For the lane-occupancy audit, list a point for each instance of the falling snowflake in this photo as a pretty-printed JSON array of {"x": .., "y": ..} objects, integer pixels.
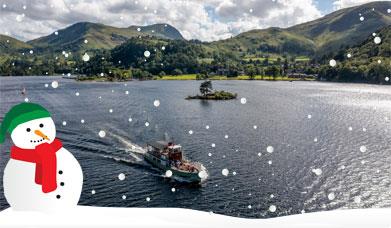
[
  {"x": 377, "y": 40},
  {"x": 270, "y": 149},
  {"x": 31, "y": 52},
  {"x": 210, "y": 154},
  {"x": 148, "y": 199},
  {"x": 309, "y": 116},
  {"x": 315, "y": 139},
  {"x": 173, "y": 189},
  {"x": 357, "y": 199},
  {"x": 225, "y": 172},
  {"x": 272, "y": 208},
  {"x": 362, "y": 18},
  {"x": 255, "y": 126},
  {"x": 126, "y": 92},
  {"x": 156, "y": 103},
  {"x": 121, "y": 176},
  {"x": 111, "y": 110},
  {"x": 190, "y": 132},
  {"x": 387, "y": 79},
  {"x": 349, "y": 55},
  {"x": 163, "y": 48},
  {"x": 26, "y": 99},
  {"x": 350, "y": 129},
  {"x": 54, "y": 84},
  {"x": 93, "y": 192},
  {"x": 146, "y": 124},
  {"x": 226, "y": 136},
  {"x": 207, "y": 126},
  {"x": 64, "y": 123},
  {"x": 331, "y": 196},
  {"x": 123, "y": 197},
  {"x": 147, "y": 54},
  {"x": 243, "y": 100},
  {"x": 168, "y": 173},
  {"x": 270, "y": 162},
  {"x": 317, "y": 172},
  {"x": 213, "y": 145},
  {"x": 56, "y": 33},
  {"x": 333, "y": 63},
  {"x": 102, "y": 133},
  {"x": 363, "y": 149},
  {"x": 86, "y": 57},
  {"x": 77, "y": 93},
  {"x": 82, "y": 121}
]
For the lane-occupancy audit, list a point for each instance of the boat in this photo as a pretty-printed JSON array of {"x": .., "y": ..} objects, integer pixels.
[{"x": 168, "y": 156}]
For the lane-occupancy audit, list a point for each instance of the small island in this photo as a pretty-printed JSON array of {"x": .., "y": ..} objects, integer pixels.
[{"x": 208, "y": 93}]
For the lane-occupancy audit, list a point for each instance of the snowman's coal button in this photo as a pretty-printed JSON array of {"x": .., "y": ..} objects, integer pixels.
[
  {"x": 62, "y": 183},
  {"x": 60, "y": 172},
  {"x": 58, "y": 196}
]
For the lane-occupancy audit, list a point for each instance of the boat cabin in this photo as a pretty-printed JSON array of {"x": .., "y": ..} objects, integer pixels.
[{"x": 166, "y": 149}]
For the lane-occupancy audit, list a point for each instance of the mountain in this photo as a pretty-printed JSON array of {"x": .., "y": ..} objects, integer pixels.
[
  {"x": 321, "y": 36},
  {"x": 86, "y": 35},
  {"x": 369, "y": 50},
  {"x": 271, "y": 40},
  {"x": 164, "y": 31},
  {"x": 344, "y": 27},
  {"x": 11, "y": 45}
]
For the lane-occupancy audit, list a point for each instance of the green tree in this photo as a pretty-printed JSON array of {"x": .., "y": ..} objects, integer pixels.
[{"x": 206, "y": 87}]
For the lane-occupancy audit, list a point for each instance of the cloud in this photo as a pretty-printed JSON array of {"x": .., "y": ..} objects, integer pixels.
[
  {"x": 340, "y": 4},
  {"x": 195, "y": 19}
]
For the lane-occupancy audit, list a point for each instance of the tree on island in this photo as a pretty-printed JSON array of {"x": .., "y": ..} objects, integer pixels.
[{"x": 206, "y": 87}]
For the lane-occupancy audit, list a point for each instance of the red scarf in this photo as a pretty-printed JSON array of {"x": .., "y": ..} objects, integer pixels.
[{"x": 44, "y": 156}]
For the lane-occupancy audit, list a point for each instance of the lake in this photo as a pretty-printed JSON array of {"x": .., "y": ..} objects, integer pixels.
[{"x": 329, "y": 142}]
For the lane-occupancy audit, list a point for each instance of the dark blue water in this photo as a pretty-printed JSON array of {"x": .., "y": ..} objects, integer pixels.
[{"x": 280, "y": 112}]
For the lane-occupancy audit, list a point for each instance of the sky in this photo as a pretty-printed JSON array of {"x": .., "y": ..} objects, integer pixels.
[{"x": 206, "y": 20}]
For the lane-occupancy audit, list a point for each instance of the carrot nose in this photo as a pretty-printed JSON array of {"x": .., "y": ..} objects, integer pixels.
[{"x": 39, "y": 133}]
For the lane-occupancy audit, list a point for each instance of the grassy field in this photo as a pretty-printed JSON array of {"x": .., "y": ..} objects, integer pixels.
[{"x": 242, "y": 77}]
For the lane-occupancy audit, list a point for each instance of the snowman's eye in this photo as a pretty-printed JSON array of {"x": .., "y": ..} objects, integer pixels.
[
  {"x": 41, "y": 125},
  {"x": 28, "y": 129}
]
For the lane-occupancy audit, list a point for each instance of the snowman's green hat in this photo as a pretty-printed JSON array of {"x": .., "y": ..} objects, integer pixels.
[{"x": 19, "y": 114}]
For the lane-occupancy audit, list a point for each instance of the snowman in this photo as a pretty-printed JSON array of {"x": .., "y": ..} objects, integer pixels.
[{"x": 41, "y": 174}]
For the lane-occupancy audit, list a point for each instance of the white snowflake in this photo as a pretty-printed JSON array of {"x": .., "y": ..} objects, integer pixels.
[
  {"x": 147, "y": 54},
  {"x": 86, "y": 57},
  {"x": 317, "y": 171},
  {"x": 377, "y": 40},
  {"x": 225, "y": 172},
  {"x": 168, "y": 173},
  {"x": 148, "y": 199},
  {"x": 243, "y": 100},
  {"x": 272, "y": 208},
  {"x": 156, "y": 103},
  {"x": 331, "y": 196},
  {"x": 93, "y": 192},
  {"x": 102, "y": 133},
  {"x": 82, "y": 121},
  {"x": 270, "y": 149},
  {"x": 190, "y": 132},
  {"x": 362, "y": 18},
  {"x": 363, "y": 149},
  {"x": 54, "y": 84},
  {"x": 121, "y": 176},
  {"x": 146, "y": 124},
  {"x": 333, "y": 63}
]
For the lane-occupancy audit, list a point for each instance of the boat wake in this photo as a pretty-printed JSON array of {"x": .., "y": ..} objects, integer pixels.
[{"x": 133, "y": 151}]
